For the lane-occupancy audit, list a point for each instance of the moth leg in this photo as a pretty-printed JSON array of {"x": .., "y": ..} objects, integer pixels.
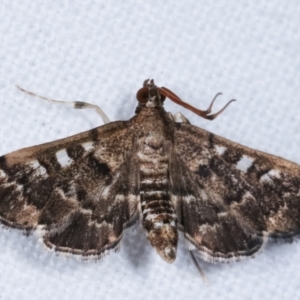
[
  {"x": 170, "y": 116},
  {"x": 199, "y": 268},
  {"x": 179, "y": 116},
  {"x": 74, "y": 104}
]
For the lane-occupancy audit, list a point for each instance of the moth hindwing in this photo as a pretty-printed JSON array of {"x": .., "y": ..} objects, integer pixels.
[{"x": 85, "y": 189}]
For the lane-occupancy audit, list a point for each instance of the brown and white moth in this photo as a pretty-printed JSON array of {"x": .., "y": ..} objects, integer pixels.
[{"x": 82, "y": 191}]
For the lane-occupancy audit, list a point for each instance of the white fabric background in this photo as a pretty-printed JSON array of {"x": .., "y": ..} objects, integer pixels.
[{"x": 100, "y": 52}]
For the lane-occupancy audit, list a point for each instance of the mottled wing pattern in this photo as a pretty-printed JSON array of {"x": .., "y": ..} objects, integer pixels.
[
  {"x": 78, "y": 190},
  {"x": 229, "y": 197}
]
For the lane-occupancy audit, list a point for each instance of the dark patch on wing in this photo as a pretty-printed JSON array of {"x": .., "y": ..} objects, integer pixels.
[
  {"x": 37, "y": 193},
  {"x": 257, "y": 170},
  {"x": 232, "y": 156},
  {"x": 97, "y": 167},
  {"x": 57, "y": 209},
  {"x": 3, "y": 165},
  {"x": 82, "y": 237},
  {"x": 81, "y": 195},
  {"x": 50, "y": 163},
  {"x": 93, "y": 134},
  {"x": 7, "y": 195},
  {"x": 233, "y": 195},
  {"x": 211, "y": 140},
  {"x": 203, "y": 171},
  {"x": 216, "y": 164},
  {"x": 75, "y": 151}
]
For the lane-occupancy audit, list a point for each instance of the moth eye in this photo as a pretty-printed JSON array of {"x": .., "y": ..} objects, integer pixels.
[{"x": 142, "y": 95}]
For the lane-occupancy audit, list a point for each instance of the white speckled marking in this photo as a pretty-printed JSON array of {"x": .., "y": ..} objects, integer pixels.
[
  {"x": 88, "y": 146},
  {"x": 189, "y": 198},
  {"x": 151, "y": 180},
  {"x": 151, "y": 217},
  {"x": 173, "y": 224},
  {"x": 120, "y": 198},
  {"x": 107, "y": 189},
  {"x": 220, "y": 149},
  {"x": 274, "y": 173},
  {"x": 39, "y": 170},
  {"x": 169, "y": 250},
  {"x": 269, "y": 176},
  {"x": 63, "y": 158},
  {"x": 222, "y": 214},
  {"x": 203, "y": 195},
  {"x": 266, "y": 178},
  {"x": 2, "y": 174},
  {"x": 244, "y": 163},
  {"x": 146, "y": 210},
  {"x": 158, "y": 224}
]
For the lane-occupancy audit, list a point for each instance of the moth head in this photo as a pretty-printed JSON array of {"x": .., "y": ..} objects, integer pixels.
[
  {"x": 149, "y": 95},
  {"x": 152, "y": 96}
]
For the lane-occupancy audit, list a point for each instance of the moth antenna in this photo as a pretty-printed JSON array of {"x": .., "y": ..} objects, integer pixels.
[
  {"x": 74, "y": 104},
  {"x": 206, "y": 281},
  {"x": 213, "y": 116},
  {"x": 202, "y": 113},
  {"x": 208, "y": 111}
]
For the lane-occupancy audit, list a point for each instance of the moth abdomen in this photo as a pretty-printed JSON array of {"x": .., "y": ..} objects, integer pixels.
[
  {"x": 156, "y": 213},
  {"x": 160, "y": 223},
  {"x": 158, "y": 216}
]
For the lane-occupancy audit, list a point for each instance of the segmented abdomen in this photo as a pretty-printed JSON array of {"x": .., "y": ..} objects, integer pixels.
[{"x": 158, "y": 216}]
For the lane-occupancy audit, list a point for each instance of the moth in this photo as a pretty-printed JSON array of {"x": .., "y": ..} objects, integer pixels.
[{"x": 82, "y": 191}]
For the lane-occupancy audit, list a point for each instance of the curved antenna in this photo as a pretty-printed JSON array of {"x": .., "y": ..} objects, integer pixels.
[{"x": 202, "y": 113}]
